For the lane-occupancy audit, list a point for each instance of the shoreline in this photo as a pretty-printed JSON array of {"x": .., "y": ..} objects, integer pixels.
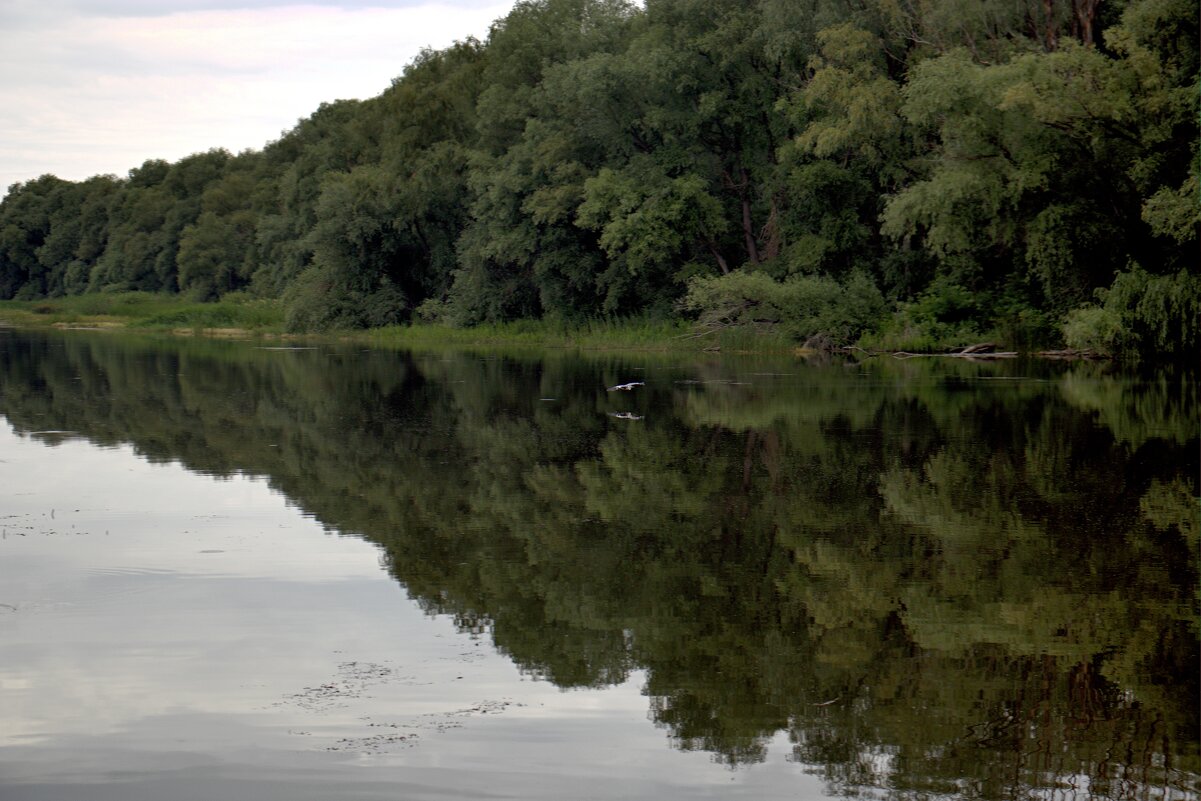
[{"x": 139, "y": 313}]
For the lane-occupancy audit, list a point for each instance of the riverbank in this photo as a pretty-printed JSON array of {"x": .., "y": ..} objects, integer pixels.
[
  {"x": 148, "y": 312},
  {"x": 244, "y": 317}
]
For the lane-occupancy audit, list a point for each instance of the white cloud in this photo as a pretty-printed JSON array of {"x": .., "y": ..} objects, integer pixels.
[{"x": 82, "y": 95}]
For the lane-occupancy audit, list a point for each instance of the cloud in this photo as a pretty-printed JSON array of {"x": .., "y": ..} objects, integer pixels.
[
  {"x": 87, "y": 94},
  {"x": 29, "y": 13}
]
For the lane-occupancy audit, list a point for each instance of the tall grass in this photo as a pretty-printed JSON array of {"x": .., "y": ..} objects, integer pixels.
[
  {"x": 149, "y": 312},
  {"x": 146, "y": 310},
  {"x": 603, "y": 334},
  {"x": 597, "y": 334}
]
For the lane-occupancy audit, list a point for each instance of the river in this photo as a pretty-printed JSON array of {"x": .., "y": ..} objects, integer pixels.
[{"x": 253, "y": 570}]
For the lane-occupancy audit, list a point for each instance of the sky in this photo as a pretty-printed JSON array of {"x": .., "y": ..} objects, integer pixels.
[{"x": 91, "y": 87}]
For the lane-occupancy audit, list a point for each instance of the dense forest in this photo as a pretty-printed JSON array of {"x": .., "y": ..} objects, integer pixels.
[
  {"x": 995, "y": 580},
  {"x": 903, "y": 173}
]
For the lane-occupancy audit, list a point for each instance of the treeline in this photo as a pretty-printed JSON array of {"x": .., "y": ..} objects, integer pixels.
[{"x": 908, "y": 173}]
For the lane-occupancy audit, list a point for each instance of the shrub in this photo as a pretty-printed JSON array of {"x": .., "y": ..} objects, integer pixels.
[
  {"x": 943, "y": 317},
  {"x": 1094, "y": 328},
  {"x": 802, "y": 306},
  {"x": 1141, "y": 315},
  {"x": 315, "y": 302}
]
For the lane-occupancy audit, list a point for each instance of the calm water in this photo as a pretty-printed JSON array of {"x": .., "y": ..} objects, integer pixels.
[{"x": 229, "y": 571}]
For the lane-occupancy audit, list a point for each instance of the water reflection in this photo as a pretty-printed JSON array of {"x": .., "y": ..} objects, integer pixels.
[{"x": 964, "y": 579}]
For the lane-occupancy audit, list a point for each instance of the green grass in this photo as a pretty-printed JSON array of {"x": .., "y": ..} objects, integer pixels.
[
  {"x": 259, "y": 316},
  {"x": 540, "y": 333},
  {"x": 241, "y": 314},
  {"x": 143, "y": 311},
  {"x": 147, "y": 311},
  {"x": 619, "y": 334}
]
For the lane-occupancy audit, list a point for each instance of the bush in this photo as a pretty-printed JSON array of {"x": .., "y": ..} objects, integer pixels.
[
  {"x": 433, "y": 311},
  {"x": 944, "y": 316},
  {"x": 1140, "y": 315},
  {"x": 801, "y": 306},
  {"x": 1094, "y": 328},
  {"x": 315, "y": 303}
]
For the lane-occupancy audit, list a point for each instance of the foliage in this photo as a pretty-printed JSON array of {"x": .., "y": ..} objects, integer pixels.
[
  {"x": 944, "y": 316},
  {"x": 1094, "y": 328},
  {"x": 589, "y": 158},
  {"x": 1143, "y": 313},
  {"x": 319, "y": 301},
  {"x": 803, "y": 306}
]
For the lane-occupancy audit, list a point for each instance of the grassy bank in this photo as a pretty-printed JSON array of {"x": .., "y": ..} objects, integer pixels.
[
  {"x": 636, "y": 334},
  {"x": 146, "y": 311},
  {"x": 243, "y": 316}
]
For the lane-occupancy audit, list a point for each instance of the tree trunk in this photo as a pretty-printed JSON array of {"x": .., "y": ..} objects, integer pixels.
[
  {"x": 1052, "y": 38},
  {"x": 771, "y": 232},
  {"x": 1086, "y": 17},
  {"x": 721, "y": 262},
  {"x": 748, "y": 232}
]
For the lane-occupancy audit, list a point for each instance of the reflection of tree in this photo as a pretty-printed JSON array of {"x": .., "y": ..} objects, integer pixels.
[
  {"x": 1160, "y": 406},
  {"x": 932, "y": 580}
]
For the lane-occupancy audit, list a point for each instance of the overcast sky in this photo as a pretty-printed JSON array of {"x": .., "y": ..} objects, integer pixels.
[{"x": 99, "y": 86}]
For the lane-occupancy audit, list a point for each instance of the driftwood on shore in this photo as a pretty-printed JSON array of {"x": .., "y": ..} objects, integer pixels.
[
  {"x": 823, "y": 343},
  {"x": 980, "y": 352},
  {"x": 982, "y": 356},
  {"x": 1071, "y": 353},
  {"x": 983, "y": 350}
]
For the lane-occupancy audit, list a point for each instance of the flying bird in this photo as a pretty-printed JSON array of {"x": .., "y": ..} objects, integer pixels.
[{"x": 627, "y": 387}]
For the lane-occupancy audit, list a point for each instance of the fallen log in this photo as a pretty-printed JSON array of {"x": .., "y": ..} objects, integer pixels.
[
  {"x": 1072, "y": 353},
  {"x": 983, "y": 347},
  {"x": 1007, "y": 354}
]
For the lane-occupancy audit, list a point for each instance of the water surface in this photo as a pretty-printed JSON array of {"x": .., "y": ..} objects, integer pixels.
[{"x": 236, "y": 571}]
